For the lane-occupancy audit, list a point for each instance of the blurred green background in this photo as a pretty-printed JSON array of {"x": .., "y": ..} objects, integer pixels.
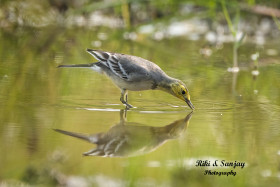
[{"x": 227, "y": 53}]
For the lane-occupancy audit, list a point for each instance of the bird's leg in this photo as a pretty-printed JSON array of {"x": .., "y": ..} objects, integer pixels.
[{"x": 124, "y": 99}]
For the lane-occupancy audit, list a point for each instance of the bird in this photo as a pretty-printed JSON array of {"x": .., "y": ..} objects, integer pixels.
[
  {"x": 128, "y": 139},
  {"x": 132, "y": 73}
]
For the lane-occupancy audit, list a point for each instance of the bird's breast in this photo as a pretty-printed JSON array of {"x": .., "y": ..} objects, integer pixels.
[{"x": 134, "y": 85}]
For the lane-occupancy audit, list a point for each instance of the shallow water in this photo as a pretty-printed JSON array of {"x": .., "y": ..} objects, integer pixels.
[{"x": 236, "y": 116}]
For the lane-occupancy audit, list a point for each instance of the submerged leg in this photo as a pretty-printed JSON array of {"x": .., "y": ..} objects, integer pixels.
[
  {"x": 124, "y": 99},
  {"x": 123, "y": 116}
]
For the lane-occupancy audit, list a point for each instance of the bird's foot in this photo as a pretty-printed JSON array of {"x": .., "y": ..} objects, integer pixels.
[
  {"x": 128, "y": 106},
  {"x": 124, "y": 99}
]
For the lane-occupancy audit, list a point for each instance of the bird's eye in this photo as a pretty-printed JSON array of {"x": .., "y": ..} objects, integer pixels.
[{"x": 183, "y": 92}]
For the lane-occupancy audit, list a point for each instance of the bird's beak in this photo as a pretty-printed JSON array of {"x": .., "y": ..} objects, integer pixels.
[{"x": 189, "y": 103}]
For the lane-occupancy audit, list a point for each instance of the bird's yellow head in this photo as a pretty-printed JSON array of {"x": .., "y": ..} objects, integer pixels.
[{"x": 179, "y": 89}]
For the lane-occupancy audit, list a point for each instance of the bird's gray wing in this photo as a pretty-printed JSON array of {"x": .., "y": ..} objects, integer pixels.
[{"x": 111, "y": 61}]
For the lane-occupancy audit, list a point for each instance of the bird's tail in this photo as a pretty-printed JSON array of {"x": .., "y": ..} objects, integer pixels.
[
  {"x": 94, "y": 66},
  {"x": 77, "y": 66}
]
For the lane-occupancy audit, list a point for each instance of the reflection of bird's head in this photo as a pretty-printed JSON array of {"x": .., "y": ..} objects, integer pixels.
[{"x": 175, "y": 129}]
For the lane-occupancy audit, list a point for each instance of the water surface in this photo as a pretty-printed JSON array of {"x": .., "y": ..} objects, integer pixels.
[{"x": 236, "y": 116}]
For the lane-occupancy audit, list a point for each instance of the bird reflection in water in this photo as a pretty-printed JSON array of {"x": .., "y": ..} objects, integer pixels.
[{"x": 127, "y": 139}]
